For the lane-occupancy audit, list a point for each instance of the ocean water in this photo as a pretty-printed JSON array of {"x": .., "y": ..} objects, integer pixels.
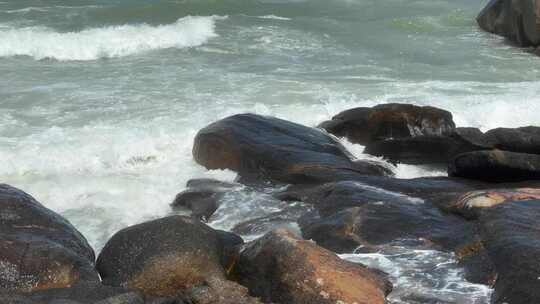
[{"x": 100, "y": 100}]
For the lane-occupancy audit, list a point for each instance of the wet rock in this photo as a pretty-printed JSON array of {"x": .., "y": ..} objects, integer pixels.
[
  {"x": 171, "y": 256},
  {"x": 282, "y": 268},
  {"x": 39, "y": 249},
  {"x": 511, "y": 234},
  {"x": 378, "y": 223},
  {"x": 429, "y": 149},
  {"x": 365, "y": 125},
  {"x": 516, "y": 20},
  {"x": 472, "y": 203},
  {"x": 202, "y": 196},
  {"x": 267, "y": 148},
  {"x": 524, "y": 140},
  {"x": 496, "y": 166},
  {"x": 477, "y": 265}
]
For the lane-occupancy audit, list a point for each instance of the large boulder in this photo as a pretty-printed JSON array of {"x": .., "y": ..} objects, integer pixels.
[
  {"x": 496, "y": 166},
  {"x": 282, "y": 268},
  {"x": 365, "y": 125},
  {"x": 517, "y": 20},
  {"x": 524, "y": 139},
  {"x": 173, "y": 256},
  {"x": 267, "y": 148},
  {"x": 511, "y": 234},
  {"x": 429, "y": 149},
  {"x": 39, "y": 249}
]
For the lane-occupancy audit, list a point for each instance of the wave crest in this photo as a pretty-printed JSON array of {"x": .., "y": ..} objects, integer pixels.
[{"x": 106, "y": 42}]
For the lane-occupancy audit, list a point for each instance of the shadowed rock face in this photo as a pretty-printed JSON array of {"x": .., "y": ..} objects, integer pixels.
[
  {"x": 268, "y": 148},
  {"x": 496, "y": 166},
  {"x": 524, "y": 140},
  {"x": 365, "y": 125},
  {"x": 39, "y": 249},
  {"x": 282, "y": 268},
  {"x": 172, "y": 256},
  {"x": 511, "y": 234},
  {"x": 516, "y": 20}
]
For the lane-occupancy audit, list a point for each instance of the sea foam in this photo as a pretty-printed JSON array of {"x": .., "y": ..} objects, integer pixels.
[{"x": 106, "y": 42}]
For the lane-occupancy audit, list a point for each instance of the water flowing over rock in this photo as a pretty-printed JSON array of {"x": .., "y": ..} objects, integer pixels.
[
  {"x": 267, "y": 148},
  {"x": 282, "y": 268},
  {"x": 173, "y": 256},
  {"x": 39, "y": 249},
  {"x": 518, "y": 20}
]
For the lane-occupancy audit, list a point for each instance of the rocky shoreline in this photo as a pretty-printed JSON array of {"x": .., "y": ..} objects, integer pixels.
[{"x": 486, "y": 213}]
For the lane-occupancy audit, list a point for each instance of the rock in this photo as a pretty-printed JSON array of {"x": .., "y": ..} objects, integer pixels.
[
  {"x": 477, "y": 265},
  {"x": 511, "y": 234},
  {"x": 203, "y": 196},
  {"x": 524, "y": 140},
  {"x": 472, "y": 203},
  {"x": 516, "y": 20},
  {"x": 39, "y": 249},
  {"x": 496, "y": 166},
  {"x": 385, "y": 121},
  {"x": 282, "y": 268},
  {"x": 167, "y": 257},
  {"x": 271, "y": 149},
  {"x": 429, "y": 149},
  {"x": 373, "y": 224}
]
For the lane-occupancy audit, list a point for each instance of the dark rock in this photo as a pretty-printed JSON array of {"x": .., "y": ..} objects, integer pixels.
[
  {"x": 511, "y": 234},
  {"x": 516, "y": 20},
  {"x": 477, "y": 265},
  {"x": 470, "y": 204},
  {"x": 429, "y": 149},
  {"x": 524, "y": 140},
  {"x": 166, "y": 257},
  {"x": 39, "y": 249},
  {"x": 282, "y": 268},
  {"x": 203, "y": 196},
  {"x": 496, "y": 166},
  {"x": 267, "y": 148},
  {"x": 286, "y": 218},
  {"x": 365, "y": 125}
]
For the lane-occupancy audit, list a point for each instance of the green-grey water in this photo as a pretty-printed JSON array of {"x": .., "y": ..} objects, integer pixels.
[{"x": 100, "y": 100}]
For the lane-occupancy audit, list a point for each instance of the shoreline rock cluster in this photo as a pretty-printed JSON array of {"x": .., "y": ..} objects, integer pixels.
[{"x": 489, "y": 220}]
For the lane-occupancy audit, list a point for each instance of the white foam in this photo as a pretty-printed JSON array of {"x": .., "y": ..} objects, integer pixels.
[
  {"x": 106, "y": 42},
  {"x": 274, "y": 17}
]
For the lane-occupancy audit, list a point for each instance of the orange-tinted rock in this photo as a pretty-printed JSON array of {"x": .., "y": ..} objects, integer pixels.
[
  {"x": 282, "y": 268},
  {"x": 39, "y": 249}
]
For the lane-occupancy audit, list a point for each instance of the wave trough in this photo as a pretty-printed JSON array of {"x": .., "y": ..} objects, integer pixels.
[{"x": 106, "y": 42}]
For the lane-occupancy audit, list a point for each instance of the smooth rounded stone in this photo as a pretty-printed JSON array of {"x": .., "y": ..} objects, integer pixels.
[
  {"x": 429, "y": 149},
  {"x": 470, "y": 204},
  {"x": 511, "y": 234},
  {"x": 282, "y": 268},
  {"x": 384, "y": 222},
  {"x": 524, "y": 140},
  {"x": 166, "y": 257},
  {"x": 496, "y": 166},
  {"x": 271, "y": 149},
  {"x": 517, "y": 20},
  {"x": 39, "y": 249},
  {"x": 203, "y": 196},
  {"x": 385, "y": 121},
  {"x": 285, "y": 218}
]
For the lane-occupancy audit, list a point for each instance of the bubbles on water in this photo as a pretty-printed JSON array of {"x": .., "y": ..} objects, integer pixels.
[{"x": 423, "y": 276}]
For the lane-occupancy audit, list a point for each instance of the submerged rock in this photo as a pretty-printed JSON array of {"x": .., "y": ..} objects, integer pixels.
[
  {"x": 282, "y": 268},
  {"x": 267, "y": 148},
  {"x": 39, "y": 249},
  {"x": 518, "y": 20},
  {"x": 386, "y": 121},
  {"x": 202, "y": 196},
  {"x": 171, "y": 256},
  {"x": 511, "y": 234},
  {"x": 496, "y": 166}
]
